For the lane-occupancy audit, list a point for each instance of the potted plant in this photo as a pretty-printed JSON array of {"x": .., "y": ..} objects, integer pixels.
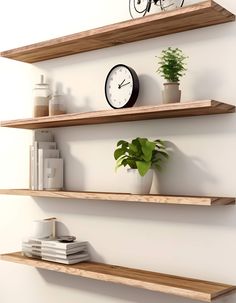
[
  {"x": 141, "y": 156},
  {"x": 171, "y": 68}
]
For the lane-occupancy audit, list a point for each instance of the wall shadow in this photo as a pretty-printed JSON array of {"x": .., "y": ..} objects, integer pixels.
[{"x": 108, "y": 289}]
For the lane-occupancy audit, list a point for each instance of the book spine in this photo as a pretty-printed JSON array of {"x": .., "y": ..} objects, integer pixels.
[
  {"x": 40, "y": 169},
  {"x": 32, "y": 167},
  {"x": 55, "y": 244},
  {"x": 35, "y": 165}
]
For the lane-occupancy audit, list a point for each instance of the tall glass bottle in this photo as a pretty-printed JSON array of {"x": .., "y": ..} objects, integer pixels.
[{"x": 41, "y": 98}]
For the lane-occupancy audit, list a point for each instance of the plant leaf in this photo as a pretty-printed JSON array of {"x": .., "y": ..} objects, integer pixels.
[
  {"x": 131, "y": 163},
  {"x": 123, "y": 143},
  {"x": 119, "y": 152},
  {"x": 143, "y": 167},
  {"x": 147, "y": 150}
]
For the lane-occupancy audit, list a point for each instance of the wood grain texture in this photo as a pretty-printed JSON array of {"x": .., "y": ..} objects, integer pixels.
[
  {"x": 173, "y": 110},
  {"x": 123, "y": 197},
  {"x": 190, "y": 288},
  {"x": 198, "y": 15}
]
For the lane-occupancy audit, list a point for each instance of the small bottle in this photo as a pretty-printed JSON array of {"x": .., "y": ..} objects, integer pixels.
[
  {"x": 41, "y": 99},
  {"x": 57, "y": 104}
]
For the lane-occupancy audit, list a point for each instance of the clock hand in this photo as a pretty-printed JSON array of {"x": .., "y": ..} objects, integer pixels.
[
  {"x": 119, "y": 85},
  {"x": 124, "y": 84}
]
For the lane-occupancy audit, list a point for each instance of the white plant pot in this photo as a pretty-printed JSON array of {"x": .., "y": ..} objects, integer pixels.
[
  {"x": 169, "y": 5},
  {"x": 138, "y": 184},
  {"x": 171, "y": 93}
]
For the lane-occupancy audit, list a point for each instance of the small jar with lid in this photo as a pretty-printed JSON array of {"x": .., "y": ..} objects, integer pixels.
[
  {"x": 41, "y": 98},
  {"x": 57, "y": 104}
]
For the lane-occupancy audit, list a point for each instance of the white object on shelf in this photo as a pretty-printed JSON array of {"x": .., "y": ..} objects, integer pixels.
[
  {"x": 139, "y": 184},
  {"x": 43, "y": 229},
  {"x": 57, "y": 104},
  {"x": 43, "y": 154},
  {"x": 53, "y": 174}
]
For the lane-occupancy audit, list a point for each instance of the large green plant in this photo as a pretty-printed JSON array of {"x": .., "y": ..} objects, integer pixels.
[
  {"x": 172, "y": 64},
  {"x": 140, "y": 154}
]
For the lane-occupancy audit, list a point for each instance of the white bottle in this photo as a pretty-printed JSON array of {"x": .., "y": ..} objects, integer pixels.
[{"x": 57, "y": 104}]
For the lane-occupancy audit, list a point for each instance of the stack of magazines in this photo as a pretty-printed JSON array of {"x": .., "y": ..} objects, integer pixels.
[
  {"x": 55, "y": 251},
  {"x": 46, "y": 165}
]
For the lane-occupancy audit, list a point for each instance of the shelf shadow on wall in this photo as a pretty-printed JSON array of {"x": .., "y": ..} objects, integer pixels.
[
  {"x": 170, "y": 214},
  {"x": 192, "y": 38},
  {"x": 71, "y": 164},
  {"x": 107, "y": 289},
  {"x": 148, "y": 88},
  {"x": 223, "y": 124},
  {"x": 183, "y": 174}
]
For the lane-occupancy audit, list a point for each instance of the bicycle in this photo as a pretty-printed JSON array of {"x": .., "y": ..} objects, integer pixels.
[{"x": 145, "y": 6}]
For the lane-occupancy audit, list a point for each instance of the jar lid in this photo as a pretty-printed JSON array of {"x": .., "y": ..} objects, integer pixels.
[{"x": 42, "y": 84}]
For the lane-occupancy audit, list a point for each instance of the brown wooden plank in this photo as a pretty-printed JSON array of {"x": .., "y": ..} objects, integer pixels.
[
  {"x": 123, "y": 197},
  {"x": 180, "y": 286},
  {"x": 174, "y": 110},
  {"x": 198, "y": 15}
]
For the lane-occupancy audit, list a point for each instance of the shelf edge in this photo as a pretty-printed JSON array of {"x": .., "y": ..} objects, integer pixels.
[
  {"x": 49, "y": 49},
  {"x": 139, "y": 113},
  {"x": 131, "y": 277},
  {"x": 125, "y": 197}
]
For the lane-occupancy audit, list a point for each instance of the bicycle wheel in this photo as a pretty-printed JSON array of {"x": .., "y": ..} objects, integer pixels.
[{"x": 138, "y": 8}]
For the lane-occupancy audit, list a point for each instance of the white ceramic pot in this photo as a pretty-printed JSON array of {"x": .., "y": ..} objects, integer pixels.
[
  {"x": 138, "y": 184},
  {"x": 43, "y": 229},
  {"x": 171, "y": 92},
  {"x": 169, "y": 5}
]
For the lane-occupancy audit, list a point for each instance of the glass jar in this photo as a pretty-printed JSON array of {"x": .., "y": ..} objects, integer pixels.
[
  {"x": 57, "y": 105},
  {"x": 41, "y": 99}
]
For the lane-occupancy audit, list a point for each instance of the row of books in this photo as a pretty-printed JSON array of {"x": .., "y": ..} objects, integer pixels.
[
  {"x": 55, "y": 251},
  {"x": 46, "y": 166}
]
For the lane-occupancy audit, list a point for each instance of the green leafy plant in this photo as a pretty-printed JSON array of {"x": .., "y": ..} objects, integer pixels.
[
  {"x": 172, "y": 64},
  {"x": 140, "y": 154}
]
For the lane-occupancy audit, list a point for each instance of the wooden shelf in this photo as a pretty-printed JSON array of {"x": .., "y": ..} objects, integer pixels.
[
  {"x": 174, "y": 110},
  {"x": 190, "y": 288},
  {"x": 198, "y": 15},
  {"x": 123, "y": 197}
]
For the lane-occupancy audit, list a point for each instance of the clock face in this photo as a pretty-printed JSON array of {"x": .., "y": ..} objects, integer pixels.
[{"x": 121, "y": 87}]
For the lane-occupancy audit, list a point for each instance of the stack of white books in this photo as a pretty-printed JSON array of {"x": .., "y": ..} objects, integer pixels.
[
  {"x": 46, "y": 166},
  {"x": 55, "y": 251}
]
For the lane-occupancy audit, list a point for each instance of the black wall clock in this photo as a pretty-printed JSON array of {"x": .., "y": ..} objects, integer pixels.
[{"x": 121, "y": 86}]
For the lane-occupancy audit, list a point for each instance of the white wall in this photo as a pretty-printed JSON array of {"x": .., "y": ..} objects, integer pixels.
[{"x": 188, "y": 241}]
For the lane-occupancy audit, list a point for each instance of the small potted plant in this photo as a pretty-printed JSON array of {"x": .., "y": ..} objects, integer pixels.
[
  {"x": 172, "y": 68},
  {"x": 141, "y": 156}
]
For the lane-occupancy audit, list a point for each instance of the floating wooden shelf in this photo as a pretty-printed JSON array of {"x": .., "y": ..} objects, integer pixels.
[
  {"x": 198, "y": 15},
  {"x": 174, "y": 110},
  {"x": 190, "y": 288},
  {"x": 123, "y": 197}
]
